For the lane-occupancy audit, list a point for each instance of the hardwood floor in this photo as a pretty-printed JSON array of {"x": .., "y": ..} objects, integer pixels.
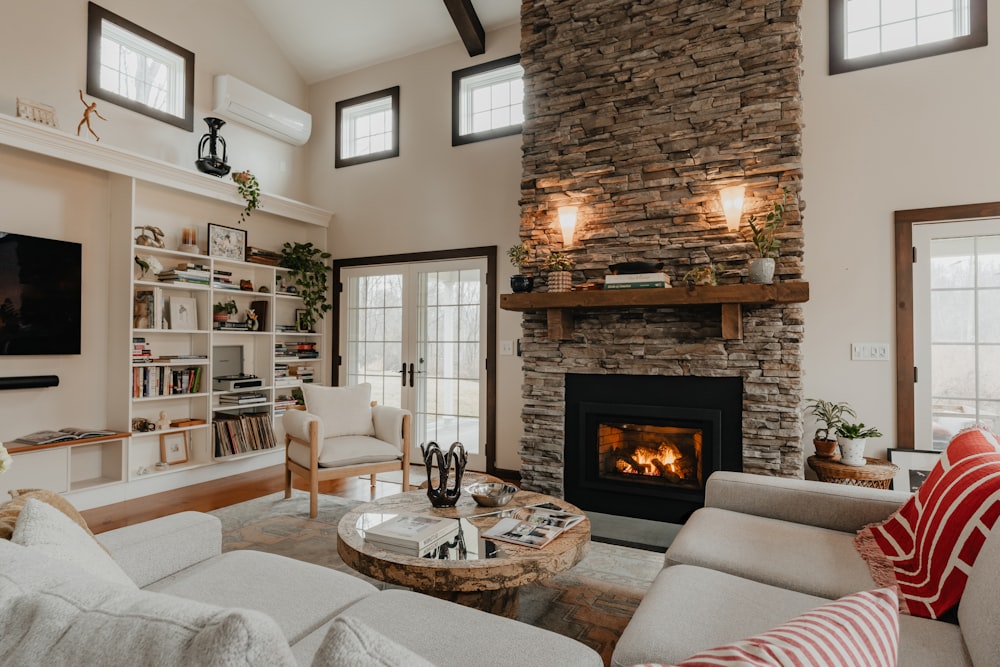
[{"x": 220, "y": 493}]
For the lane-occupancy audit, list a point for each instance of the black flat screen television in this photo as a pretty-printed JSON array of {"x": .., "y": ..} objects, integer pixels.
[{"x": 40, "y": 295}]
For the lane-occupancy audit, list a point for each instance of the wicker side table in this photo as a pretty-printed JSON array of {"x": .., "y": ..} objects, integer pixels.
[{"x": 875, "y": 474}]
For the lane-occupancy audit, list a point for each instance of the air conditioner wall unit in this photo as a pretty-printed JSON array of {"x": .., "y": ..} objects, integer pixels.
[{"x": 238, "y": 101}]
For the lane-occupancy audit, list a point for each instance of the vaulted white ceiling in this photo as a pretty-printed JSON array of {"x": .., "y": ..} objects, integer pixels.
[{"x": 326, "y": 38}]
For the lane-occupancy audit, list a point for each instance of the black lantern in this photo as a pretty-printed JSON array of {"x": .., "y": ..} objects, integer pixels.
[{"x": 211, "y": 163}]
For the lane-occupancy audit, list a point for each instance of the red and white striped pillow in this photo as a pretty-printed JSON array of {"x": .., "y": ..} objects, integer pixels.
[
  {"x": 858, "y": 630},
  {"x": 927, "y": 547}
]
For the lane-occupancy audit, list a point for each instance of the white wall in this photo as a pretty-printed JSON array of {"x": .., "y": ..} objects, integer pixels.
[
  {"x": 43, "y": 57},
  {"x": 911, "y": 135},
  {"x": 433, "y": 196}
]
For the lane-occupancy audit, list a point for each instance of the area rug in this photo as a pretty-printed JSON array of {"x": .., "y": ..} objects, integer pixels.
[{"x": 591, "y": 603}]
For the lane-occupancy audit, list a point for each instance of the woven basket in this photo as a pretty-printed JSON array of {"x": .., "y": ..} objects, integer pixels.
[{"x": 560, "y": 281}]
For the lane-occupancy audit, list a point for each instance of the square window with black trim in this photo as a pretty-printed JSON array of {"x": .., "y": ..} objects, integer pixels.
[
  {"x": 487, "y": 101},
  {"x": 870, "y": 33},
  {"x": 368, "y": 128},
  {"x": 134, "y": 68}
]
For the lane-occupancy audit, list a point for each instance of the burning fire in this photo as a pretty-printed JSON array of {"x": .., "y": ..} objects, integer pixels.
[{"x": 651, "y": 462}]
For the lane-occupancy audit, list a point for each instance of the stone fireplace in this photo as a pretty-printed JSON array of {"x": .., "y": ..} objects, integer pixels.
[{"x": 639, "y": 114}]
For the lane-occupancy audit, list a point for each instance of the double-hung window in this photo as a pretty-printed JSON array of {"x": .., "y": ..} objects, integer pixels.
[
  {"x": 487, "y": 101},
  {"x": 368, "y": 128},
  {"x": 869, "y": 33}
]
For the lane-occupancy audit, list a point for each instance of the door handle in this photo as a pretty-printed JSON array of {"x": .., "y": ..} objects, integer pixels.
[
  {"x": 411, "y": 375},
  {"x": 402, "y": 376}
]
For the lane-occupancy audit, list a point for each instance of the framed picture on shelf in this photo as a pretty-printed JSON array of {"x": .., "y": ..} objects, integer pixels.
[
  {"x": 300, "y": 320},
  {"x": 183, "y": 313},
  {"x": 174, "y": 448},
  {"x": 227, "y": 242},
  {"x": 914, "y": 466}
]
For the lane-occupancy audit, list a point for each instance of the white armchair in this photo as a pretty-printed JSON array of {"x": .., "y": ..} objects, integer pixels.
[{"x": 343, "y": 434}]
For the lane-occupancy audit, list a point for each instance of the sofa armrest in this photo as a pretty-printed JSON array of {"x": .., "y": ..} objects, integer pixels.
[
  {"x": 296, "y": 424},
  {"x": 834, "y": 506},
  {"x": 388, "y": 422},
  {"x": 152, "y": 550}
]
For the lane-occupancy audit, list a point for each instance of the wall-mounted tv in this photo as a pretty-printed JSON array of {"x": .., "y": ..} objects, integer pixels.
[{"x": 40, "y": 295}]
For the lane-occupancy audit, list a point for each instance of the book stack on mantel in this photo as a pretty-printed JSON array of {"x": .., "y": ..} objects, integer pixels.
[
  {"x": 636, "y": 280},
  {"x": 412, "y": 534},
  {"x": 196, "y": 274}
]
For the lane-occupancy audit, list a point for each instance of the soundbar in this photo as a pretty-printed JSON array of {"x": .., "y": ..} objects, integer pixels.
[{"x": 29, "y": 382}]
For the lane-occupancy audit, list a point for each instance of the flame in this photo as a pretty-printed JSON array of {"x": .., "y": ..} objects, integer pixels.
[{"x": 650, "y": 461}]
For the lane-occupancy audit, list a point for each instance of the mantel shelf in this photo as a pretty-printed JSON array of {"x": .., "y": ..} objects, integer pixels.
[{"x": 560, "y": 306}]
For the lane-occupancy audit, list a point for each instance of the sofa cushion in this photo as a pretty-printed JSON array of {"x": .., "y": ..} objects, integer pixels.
[
  {"x": 351, "y": 643},
  {"x": 803, "y": 558},
  {"x": 859, "y": 629},
  {"x": 10, "y": 510},
  {"x": 343, "y": 410},
  {"x": 300, "y": 596},
  {"x": 928, "y": 547},
  {"x": 44, "y": 529},
  {"x": 53, "y": 613}
]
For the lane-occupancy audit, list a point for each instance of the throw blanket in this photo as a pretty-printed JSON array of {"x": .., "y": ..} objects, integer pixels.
[{"x": 928, "y": 546}]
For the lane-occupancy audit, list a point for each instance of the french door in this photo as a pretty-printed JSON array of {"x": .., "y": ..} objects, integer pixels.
[{"x": 417, "y": 333}]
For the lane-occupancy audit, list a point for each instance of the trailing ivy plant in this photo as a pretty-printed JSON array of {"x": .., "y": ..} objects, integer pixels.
[
  {"x": 249, "y": 189},
  {"x": 308, "y": 267}
]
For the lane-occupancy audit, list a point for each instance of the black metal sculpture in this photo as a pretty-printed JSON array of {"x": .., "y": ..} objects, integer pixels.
[
  {"x": 441, "y": 495},
  {"x": 209, "y": 161}
]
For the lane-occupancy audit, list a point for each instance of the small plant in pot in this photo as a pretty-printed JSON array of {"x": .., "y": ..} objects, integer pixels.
[
  {"x": 559, "y": 266},
  {"x": 762, "y": 235},
  {"x": 852, "y": 439},
  {"x": 830, "y": 415},
  {"x": 518, "y": 255},
  {"x": 222, "y": 310}
]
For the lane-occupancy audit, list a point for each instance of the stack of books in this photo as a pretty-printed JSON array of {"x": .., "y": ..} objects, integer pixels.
[
  {"x": 224, "y": 280},
  {"x": 231, "y": 326},
  {"x": 296, "y": 350},
  {"x": 282, "y": 403},
  {"x": 303, "y": 374},
  {"x": 412, "y": 534},
  {"x": 245, "y": 398},
  {"x": 261, "y": 256},
  {"x": 636, "y": 281},
  {"x": 195, "y": 274},
  {"x": 141, "y": 352}
]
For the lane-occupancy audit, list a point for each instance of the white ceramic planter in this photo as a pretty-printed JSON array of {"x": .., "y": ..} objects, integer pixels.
[
  {"x": 852, "y": 452},
  {"x": 761, "y": 270}
]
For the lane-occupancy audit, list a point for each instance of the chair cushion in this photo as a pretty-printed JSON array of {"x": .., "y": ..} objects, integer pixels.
[
  {"x": 351, "y": 642},
  {"x": 343, "y": 410},
  {"x": 929, "y": 546},
  {"x": 346, "y": 451},
  {"x": 44, "y": 529},
  {"x": 9, "y": 511}
]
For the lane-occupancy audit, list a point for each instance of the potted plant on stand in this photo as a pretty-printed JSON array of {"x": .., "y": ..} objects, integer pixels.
[
  {"x": 761, "y": 269},
  {"x": 852, "y": 439},
  {"x": 560, "y": 265},
  {"x": 518, "y": 255},
  {"x": 830, "y": 415},
  {"x": 308, "y": 267}
]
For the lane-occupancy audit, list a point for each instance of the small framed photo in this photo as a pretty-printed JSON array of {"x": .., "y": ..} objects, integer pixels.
[
  {"x": 174, "y": 447},
  {"x": 183, "y": 313},
  {"x": 914, "y": 466},
  {"x": 227, "y": 242},
  {"x": 300, "y": 320}
]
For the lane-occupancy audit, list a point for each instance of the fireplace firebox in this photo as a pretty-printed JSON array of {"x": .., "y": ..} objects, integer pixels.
[{"x": 643, "y": 446}]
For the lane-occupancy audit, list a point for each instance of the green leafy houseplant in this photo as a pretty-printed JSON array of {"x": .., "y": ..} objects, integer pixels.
[
  {"x": 518, "y": 255},
  {"x": 830, "y": 414},
  {"x": 558, "y": 261},
  {"x": 762, "y": 235},
  {"x": 308, "y": 267},
  {"x": 225, "y": 308},
  {"x": 857, "y": 431},
  {"x": 249, "y": 189}
]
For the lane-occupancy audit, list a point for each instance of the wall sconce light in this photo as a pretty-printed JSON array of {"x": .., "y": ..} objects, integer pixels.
[
  {"x": 732, "y": 205},
  {"x": 567, "y": 221}
]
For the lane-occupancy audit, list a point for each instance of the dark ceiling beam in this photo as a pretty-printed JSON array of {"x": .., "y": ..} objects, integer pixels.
[{"x": 469, "y": 28}]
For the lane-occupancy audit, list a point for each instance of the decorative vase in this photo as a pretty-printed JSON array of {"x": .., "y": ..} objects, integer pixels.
[
  {"x": 442, "y": 494},
  {"x": 852, "y": 452},
  {"x": 825, "y": 449},
  {"x": 211, "y": 162},
  {"x": 560, "y": 281},
  {"x": 520, "y": 284},
  {"x": 761, "y": 270}
]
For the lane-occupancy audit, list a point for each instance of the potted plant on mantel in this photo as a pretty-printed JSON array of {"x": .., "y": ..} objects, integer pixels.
[
  {"x": 852, "y": 439},
  {"x": 761, "y": 270},
  {"x": 830, "y": 415},
  {"x": 518, "y": 255},
  {"x": 560, "y": 265}
]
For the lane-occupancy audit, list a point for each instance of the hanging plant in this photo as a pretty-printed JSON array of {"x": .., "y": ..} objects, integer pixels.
[
  {"x": 249, "y": 189},
  {"x": 307, "y": 266}
]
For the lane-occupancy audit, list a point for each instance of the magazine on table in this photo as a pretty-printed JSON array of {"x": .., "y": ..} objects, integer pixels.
[
  {"x": 412, "y": 531},
  {"x": 72, "y": 433},
  {"x": 533, "y": 526}
]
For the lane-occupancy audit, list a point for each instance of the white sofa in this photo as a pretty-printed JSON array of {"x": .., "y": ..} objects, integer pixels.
[
  {"x": 764, "y": 550},
  {"x": 195, "y": 605}
]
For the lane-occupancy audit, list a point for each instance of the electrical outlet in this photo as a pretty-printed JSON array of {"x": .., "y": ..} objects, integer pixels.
[{"x": 869, "y": 351}]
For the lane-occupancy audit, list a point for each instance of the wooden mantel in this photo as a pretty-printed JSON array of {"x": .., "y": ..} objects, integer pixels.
[{"x": 559, "y": 306}]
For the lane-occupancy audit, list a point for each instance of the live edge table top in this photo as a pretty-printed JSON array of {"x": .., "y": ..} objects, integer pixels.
[{"x": 515, "y": 565}]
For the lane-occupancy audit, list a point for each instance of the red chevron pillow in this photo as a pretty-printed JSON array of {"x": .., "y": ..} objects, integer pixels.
[
  {"x": 858, "y": 630},
  {"x": 927, "y": 547}
]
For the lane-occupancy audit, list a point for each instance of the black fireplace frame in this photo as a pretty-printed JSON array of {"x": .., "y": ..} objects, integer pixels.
[{"x": 714, "y": 405}]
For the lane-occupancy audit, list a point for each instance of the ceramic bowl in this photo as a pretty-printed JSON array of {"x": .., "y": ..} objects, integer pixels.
[{"x": 493, "y": 494}]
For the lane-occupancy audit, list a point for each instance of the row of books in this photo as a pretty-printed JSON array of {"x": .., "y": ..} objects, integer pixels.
[
  {"x": 165, "y": 381},
  {"x": 240, "y": 434},
  {"x": 149, "y": 309},
  {"x": 636, "y": 280}
]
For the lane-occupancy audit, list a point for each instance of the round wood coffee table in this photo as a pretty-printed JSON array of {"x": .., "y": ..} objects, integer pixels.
[{"x": 490, "y": 584}]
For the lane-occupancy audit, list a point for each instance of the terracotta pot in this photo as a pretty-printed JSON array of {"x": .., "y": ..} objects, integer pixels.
[{"x": 825, "y": 449}]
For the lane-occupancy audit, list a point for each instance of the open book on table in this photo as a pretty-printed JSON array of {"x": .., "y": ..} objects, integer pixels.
[
  {"x": 533, "y": 526},
  {"x": 71, "y": 433}
]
